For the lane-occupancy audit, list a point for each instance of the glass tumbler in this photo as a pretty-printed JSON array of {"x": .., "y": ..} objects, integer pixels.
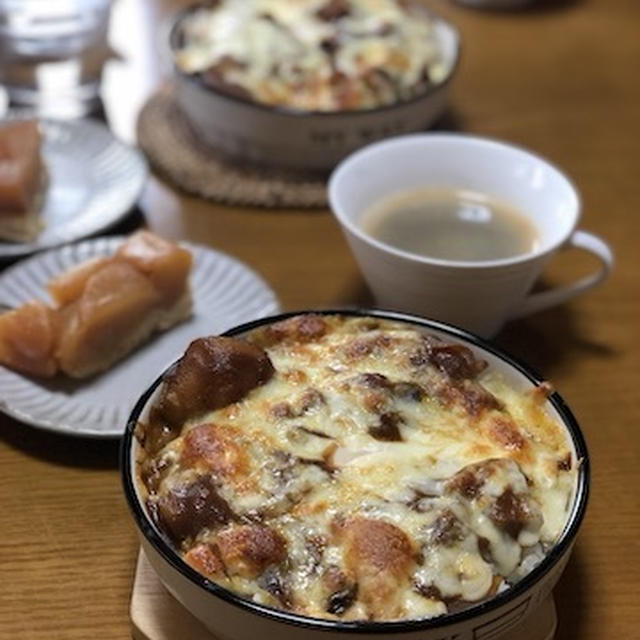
[{"x": 52, "y": 53}]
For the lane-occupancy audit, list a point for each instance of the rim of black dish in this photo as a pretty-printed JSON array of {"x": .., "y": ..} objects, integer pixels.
[
  {"x": 299, "y": 113},
  {"x": 364, "y": 626}
]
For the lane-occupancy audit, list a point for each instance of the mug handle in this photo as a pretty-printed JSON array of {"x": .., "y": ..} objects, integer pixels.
[{"x": 578, "y": 240}]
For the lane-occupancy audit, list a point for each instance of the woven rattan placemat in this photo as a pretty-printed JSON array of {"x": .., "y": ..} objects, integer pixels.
[{"x": 166, "y": 138}]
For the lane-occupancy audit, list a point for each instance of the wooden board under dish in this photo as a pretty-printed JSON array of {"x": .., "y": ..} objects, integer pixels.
[{"x": 156, "y": 615}]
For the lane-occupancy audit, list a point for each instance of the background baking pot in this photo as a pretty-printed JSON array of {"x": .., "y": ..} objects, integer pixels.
[
  {"x": 234, "y": 618},
  {"x": 303, "y": 139}
]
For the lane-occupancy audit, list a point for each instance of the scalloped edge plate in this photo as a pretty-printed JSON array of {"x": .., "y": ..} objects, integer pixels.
[
  {"x": 226, "y": 293},
  {"x": 93, "y": 182}
]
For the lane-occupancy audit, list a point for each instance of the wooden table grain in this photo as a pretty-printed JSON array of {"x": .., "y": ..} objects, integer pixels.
[{"x": 560, "y": 79}]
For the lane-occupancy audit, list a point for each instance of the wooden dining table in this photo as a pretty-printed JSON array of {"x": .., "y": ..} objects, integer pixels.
[{"x": 560, "y": 78}]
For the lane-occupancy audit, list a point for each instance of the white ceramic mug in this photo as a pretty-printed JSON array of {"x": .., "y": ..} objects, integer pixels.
[{"x": 478, "y": 296}]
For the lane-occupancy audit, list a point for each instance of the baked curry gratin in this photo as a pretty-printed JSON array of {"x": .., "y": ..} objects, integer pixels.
[
  {"x": 353, "y": 468},
  {"x": 312, "y": 55}
]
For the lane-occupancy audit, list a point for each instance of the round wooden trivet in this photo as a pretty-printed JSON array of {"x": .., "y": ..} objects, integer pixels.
[
  {"x": 155, "y": 615},
  {"x": 173, "y": 150}
]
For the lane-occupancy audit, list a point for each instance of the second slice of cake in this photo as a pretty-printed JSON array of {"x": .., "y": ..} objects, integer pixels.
[{"x": 22, "y": 181}]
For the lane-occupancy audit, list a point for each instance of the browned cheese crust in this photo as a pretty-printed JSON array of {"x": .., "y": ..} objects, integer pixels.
[{"x": 353, "y": 468}]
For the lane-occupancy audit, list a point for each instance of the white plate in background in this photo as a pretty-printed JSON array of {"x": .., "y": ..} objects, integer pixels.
[
  {"x": 93, "y": 181},
  {"x": 225, "y": 291}
]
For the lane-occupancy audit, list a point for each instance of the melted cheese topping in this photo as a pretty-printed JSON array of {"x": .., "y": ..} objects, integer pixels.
[
  {"x": 379, "y": 474},
  {"x": 313, "y": 54}
]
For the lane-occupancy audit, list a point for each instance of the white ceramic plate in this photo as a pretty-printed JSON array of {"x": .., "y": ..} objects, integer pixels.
[
  {"x": 93, "y": 182},
  {"x": 225, "y": 291}
]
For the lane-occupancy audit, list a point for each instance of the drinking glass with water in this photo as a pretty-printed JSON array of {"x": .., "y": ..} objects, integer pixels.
[{"x": 52, "y": 53}]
